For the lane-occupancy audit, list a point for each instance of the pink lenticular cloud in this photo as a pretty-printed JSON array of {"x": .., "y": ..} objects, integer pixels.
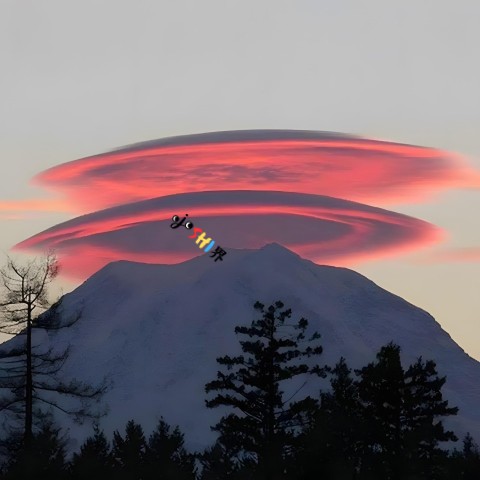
[
  {"x": 246, "y": 189},
  {"x": 321, "y": 163},
  {"x": 324, "y": 229}
]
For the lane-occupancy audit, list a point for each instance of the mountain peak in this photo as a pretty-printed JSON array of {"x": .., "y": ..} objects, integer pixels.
[
  {"x": 276, "y": 252},
  {"x": 158, "y": 329},
  {"x": 275, "y": 248}
]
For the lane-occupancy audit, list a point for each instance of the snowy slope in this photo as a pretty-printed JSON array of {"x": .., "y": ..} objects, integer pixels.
[{"x": 155, "y": 331}]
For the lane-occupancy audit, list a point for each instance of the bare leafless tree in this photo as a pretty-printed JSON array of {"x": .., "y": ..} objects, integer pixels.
[{"x": 28, "y": 372}]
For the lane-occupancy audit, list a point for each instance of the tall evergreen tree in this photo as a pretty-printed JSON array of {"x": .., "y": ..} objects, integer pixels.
[
  {"x": 167, "y": 458},
  {"x": 94, "y": 459},
  {"x": 333, "y": 446},
  {"x": 404, "y": 412},
  {"x": 129, "y": 453},
  {"x": 44, "y": 459},
  {"x": 266, "y": 421},
  {"x": 381, "y": 389},
  {"x": 423, "y": 409},
  {"x": 470, "y": 459}
]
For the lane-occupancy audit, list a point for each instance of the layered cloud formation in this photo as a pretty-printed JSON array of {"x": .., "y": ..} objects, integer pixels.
[
  {"x": 324, "y": 229},
  {"x": 279, "y": 160},
  {"x": 246, "y": 189}
]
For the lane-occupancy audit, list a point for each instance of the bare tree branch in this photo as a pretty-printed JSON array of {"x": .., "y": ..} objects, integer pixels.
[{"x": 28, "y": 368}]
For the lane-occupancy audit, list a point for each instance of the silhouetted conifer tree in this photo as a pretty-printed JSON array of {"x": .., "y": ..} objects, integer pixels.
[
  {"x": 94, "y": 459},
  {"x": 45, "y": 458},
  {"x": 381, "y": 390},
  {"x": 333, "y": 446},
  {"x": 423, "y": 407},
  {"x": 129, "y": 453},
  {"x": 468, "y": 461},
  {"x": 403, "y": 411},
  {"x": 166, "y": 456},
  {"x": 266, "y": 421},
  {"x": 218, "y": 464}
]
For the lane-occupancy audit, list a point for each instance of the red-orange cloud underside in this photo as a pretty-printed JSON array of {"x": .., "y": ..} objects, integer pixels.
[
  {"x": 246, "y": 189},
  {"x": 323, "y": 229},
  {"x": 321, "y": 163}
]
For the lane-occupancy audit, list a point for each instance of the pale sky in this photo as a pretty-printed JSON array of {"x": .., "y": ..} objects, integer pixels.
[{"x": 80, "y": 78}]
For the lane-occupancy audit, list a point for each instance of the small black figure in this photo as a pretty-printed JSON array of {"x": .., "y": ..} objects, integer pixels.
[
  {"x": 176, "y": 223},
  {"x": 220, "y": 252}
]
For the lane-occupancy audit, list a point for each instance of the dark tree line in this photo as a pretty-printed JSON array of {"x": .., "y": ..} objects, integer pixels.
[
  {"x": 129, "y": 456},
  {"x": 383, "y": 421},
  {"x": 163, "y": 456}
]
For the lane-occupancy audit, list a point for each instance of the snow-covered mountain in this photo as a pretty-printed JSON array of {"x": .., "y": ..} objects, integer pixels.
[{"x": 155, "y": 331}]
